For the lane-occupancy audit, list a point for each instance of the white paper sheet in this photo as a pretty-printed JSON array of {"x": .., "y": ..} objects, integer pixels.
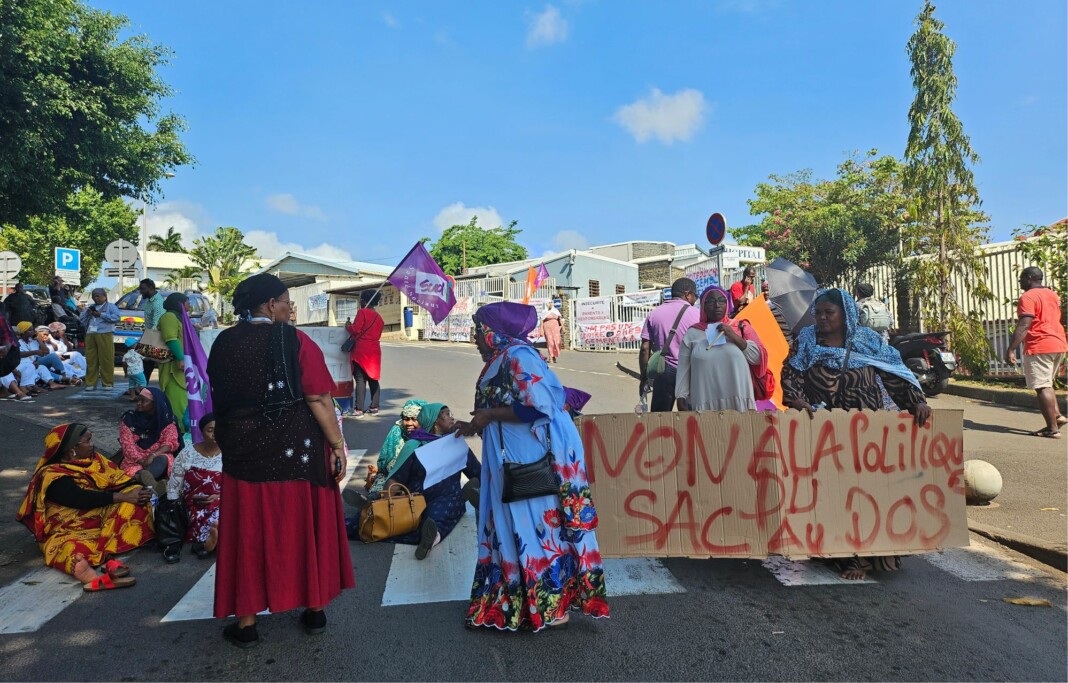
[{"x": 442, "y": 458}]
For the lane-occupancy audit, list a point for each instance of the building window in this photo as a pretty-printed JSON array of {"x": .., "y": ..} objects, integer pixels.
[
  {"x": 620, "y": 289},
  {"x": 346, "y": 309},
  {"x": 595, "y": 288}
]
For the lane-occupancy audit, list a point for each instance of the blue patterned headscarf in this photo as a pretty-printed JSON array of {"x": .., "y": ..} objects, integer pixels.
[{"x": 866, "y": 346}]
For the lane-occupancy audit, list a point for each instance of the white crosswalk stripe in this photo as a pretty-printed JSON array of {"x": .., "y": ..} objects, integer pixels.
[
  {"x": 980, "y": 562},
  {"x": 199, "y": 601},
  {"x": 100, "y": 394},
  {"x": 807, "y": 573},
  {"x": 29, "y": 602}
]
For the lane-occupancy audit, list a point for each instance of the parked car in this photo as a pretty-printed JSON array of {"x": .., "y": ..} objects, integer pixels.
[{"x": 132, "y": 321}]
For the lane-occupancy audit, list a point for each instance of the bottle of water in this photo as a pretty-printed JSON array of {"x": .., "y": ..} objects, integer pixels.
[{"x": 642, "y": 407}]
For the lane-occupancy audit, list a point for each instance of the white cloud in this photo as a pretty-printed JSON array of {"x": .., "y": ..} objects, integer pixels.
[
  {"x": 391, "y": 21},
  {"x": 270, "y": 246},
  {"x": 546, "y": 28},
  {"x": 185, "y": 217},
  {"x": 288, "y": 204},
  {"x": 569, "y": 239},
  {"x": 458, "y": 214},
  {"x": 665, "y": 117}
]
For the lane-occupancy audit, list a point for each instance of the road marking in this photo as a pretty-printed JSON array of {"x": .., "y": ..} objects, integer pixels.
[
  {"x": 980, "y": 562},
  {"x": 447, "y": 572},
  {"x": 554, "y": 368},
  {"x": 807, "y": 573},
  {"x": 30, "y": 602},
  {"x": 199, "y": 601},
  {"x": 100, "y": 394}
]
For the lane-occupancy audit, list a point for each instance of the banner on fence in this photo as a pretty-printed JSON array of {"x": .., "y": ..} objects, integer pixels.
[
  {"x": 457, "y": 326},
  {"x": 593, "y": 311},
  {"x": 704, "y": 278},
  {"x": 747, "y": 485},
  {"x": 609, "y": 333},
  {"x": 642, "y": 298}
]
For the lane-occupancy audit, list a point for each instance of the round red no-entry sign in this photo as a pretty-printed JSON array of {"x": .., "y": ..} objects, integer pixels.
[{"x": 716, "y": 229}]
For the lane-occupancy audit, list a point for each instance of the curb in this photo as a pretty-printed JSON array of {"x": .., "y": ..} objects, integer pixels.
[
  {"x": 1017, "y": 399},
  {"x": 1052, "y": 554}
]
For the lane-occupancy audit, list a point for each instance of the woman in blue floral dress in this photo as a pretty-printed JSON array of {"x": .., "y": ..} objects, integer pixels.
[{"x": 538, "y": 558}]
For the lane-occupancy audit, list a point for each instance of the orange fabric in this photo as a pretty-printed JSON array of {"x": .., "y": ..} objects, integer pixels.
[
  {"x": 63, "y": 533},
  {"x": 532, "y": 277},
  {"x": 767, "y": 328},
  {"x": 1046, "y": 334}
]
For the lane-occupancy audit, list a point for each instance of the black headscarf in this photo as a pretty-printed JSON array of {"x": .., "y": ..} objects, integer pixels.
[
  {"x": 147, "y": 427},
  {"x": 255, "y": 291},
  {"x": 864, "y": 290},
  {"x": 175, "y": 303}
]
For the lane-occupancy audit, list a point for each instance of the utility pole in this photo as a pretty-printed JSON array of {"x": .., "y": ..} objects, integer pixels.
[{"x": 463, "y": 243}]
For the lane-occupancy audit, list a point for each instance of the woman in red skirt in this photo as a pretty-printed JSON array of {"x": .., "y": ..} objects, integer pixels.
[{"x": 282, "y": 541}]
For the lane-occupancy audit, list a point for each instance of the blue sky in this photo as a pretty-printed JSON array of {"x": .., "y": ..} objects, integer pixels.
[{"x": 355, "y": 128}]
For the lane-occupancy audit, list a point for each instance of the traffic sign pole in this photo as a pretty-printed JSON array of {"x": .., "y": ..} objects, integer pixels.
[{"x": 10, "y": 265}]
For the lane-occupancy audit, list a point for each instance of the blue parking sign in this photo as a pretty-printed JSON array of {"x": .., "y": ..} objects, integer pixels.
[{"x": 68, "y": 259}]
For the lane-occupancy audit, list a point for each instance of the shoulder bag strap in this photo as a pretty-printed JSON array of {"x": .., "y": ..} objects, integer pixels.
[{"x": 675, "y": 326}]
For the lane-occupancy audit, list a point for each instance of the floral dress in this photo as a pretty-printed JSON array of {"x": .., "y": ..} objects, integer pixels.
[
  {"x": 196, "y": 475},
  {"x": 538, "y": 558}
]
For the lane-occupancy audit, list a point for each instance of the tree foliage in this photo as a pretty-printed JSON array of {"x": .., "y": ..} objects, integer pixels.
[
  {"x": 79, "y": 108},
  {"x": 945, "y": 230},
  {"x": 830, "y": 227},
  {"x": 483, "y": 246},
  {"x": 224, "y": 256},
  {"x": 1047, "y": 248},
  {"x": 175, "y": 277},
  {"x": 87, "y": 222},
  {"x": 171, "y": 242}
]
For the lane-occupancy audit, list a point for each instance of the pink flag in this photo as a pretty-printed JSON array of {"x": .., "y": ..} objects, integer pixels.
[
  {"x": 423, "y": 281},
  {"x": 196, "y": 377}
]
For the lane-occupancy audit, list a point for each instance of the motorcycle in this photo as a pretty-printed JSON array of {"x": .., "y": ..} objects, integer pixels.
[{"x": 925, "y": 354}]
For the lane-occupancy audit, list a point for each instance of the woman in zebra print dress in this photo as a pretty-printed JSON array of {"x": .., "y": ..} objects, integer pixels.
[{"x": 836, "y": 363}]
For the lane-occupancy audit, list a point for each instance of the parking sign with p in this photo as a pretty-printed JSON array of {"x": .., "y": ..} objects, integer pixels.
[{"x": 69, "y": 265}]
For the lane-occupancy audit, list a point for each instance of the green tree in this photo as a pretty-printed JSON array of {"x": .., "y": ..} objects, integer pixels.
[
  {"x": 482, "y": 246},
  {"x": 79, "y": 107},
  {"x": 171, "y": 242},
  {"x": 945, "y": 231},
  {"x": 832, "y": 228},
  {"x": 87, "y": 222},
  {"x": 1047, "y": 248},
  {"x": 224, "y": 256}
]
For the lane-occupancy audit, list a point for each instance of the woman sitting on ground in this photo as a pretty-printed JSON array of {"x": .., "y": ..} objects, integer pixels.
[
  {"x": 73, "y": 361},
  {"x": 83, "y": 510},
  {"x": 444, "y": 499},
  {"x": 196, "y": 480},
  {"x": 837, "y": 363},
  {"x": 394, "y": 443},
  {"x": 149, "y": 438}
]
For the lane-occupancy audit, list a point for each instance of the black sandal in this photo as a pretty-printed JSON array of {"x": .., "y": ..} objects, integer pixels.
[{"x": 1048, "y": 433}]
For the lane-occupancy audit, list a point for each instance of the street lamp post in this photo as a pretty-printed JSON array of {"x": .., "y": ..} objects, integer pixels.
[{"x": 144, "y": 229}]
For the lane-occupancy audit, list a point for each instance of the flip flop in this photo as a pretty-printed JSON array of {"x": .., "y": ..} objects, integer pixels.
[
  {"x": 1062, "y": 420},
  {"x": 116, "y": 569},
  {"x": 1048, "y": 433},
  {"x": 106, "y": 583}
]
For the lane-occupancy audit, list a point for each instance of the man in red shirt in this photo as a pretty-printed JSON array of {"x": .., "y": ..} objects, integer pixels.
[
  {"x": 1039, "y": 328},
  {"x": 744, "y": 291}
]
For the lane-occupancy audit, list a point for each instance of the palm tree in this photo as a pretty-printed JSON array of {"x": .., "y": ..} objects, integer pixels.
[
  {"x": 171, "y": 242},
  {"x": 184, "y": 273},
  {"x": 223, "y": 256}
]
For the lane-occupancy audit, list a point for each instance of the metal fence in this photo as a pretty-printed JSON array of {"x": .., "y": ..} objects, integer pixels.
[
  {"x": 618, "y": 329},
  {"x": 470, "y": 294}
]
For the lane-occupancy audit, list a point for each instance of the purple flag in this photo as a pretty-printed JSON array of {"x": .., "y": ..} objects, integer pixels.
[
  {"x": 196, "y": 377},
  {"x": 542, "y": 275},
  {"x": 423, "y": 281}
]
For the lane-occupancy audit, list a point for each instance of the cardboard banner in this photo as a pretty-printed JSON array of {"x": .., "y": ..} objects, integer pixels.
[
  {"x": 643, "y": 298},
  {"x": 609, "y": 333},
  {"x": 749, "y": 485}
]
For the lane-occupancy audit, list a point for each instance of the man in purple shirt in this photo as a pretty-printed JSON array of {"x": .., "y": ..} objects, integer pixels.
[{"x": 655, "y": 335}]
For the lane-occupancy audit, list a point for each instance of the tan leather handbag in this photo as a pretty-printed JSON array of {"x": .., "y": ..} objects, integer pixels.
[{"x": 397, "y": 512}]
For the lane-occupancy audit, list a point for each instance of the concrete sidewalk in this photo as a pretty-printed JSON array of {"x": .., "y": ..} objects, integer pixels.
[{"x": 1031, "y": 514}]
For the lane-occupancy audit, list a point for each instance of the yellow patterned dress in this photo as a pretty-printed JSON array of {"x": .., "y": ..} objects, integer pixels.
[{"x": 62, "y": 532}]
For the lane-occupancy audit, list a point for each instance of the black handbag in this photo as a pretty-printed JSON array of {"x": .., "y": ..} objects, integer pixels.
[
  {"x": 172, "y": 522},
  {"x": 523, "y": 481},
  {"x": 347, "y": 345}
]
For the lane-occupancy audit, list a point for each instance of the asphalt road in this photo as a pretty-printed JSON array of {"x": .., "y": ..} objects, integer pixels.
[{"x": 942, "y": 618}]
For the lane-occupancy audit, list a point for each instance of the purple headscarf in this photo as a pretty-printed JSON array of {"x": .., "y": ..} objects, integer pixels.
[
  {"x": 506, "y": 322},
  {"x": 576, "y": 398}
]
